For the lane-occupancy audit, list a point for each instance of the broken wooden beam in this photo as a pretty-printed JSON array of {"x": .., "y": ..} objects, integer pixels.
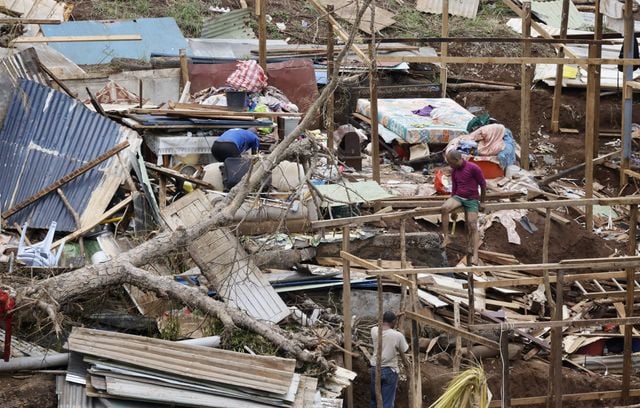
[
  {"x": 556, "y": 323},
  {"x": 172, "y": 173},
  {"x": 474, "y": 338},
  {"x": 65, "y": 179},
  {"x": 78, "y": 38}
]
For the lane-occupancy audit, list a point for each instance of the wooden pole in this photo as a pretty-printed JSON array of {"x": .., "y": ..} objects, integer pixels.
[
  {"x": 184, "y": 69},
  {"x": 379, "y": 350},
  {"x": 373, "y": 92},
  {"x": 557, "y": 89},
  {"x": 470, "y": 291},
  {"x": 555, "y": 367},
  {"x": 627, "y": 93},
  {"x": 525, "y": 88},
  {"x": 403, "y": 306},
  {"x": 261, "y": 8},
  {"x": 591, "y": 129},
  {"x": 545, "y": 259},
  {"x": 504, "y": 356},
  {"x": 329, "y": 123},
  {"x": 597, "y": 35},
  {"x": 628, "y": 328},
  {"x": 457, "y": 357},
  {"x": 444, "y": 47},
  {"x": 415, "y": 347},
  {"x": 346, "y": 312}
]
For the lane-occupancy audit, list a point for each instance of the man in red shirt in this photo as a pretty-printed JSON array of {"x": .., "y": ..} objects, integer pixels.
[{"x": 466, "y": 179}]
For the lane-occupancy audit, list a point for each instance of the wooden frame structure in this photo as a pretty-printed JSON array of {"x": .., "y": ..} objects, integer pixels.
[{"x": 408, "y": 280}]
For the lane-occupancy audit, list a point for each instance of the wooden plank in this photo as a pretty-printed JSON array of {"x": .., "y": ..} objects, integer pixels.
[
  {"x": 88, "y": 227},
  {"x": 554, "y": 323},
  {"x": 65, "y": 179},
  {"x": 489, "y": 207},
  {"x": 453, "y": 330},
  {"x": 507, "y": 283},
  {"x": 557, "y": 89},
  {"x": 444, "y": 46},
  {"x": 346, "y": 311},
  {"x": 79, "y": 38},
  {"x": 261, "y": 11},
  {"x": 424, "y": 59},
  {"x": 339, "y": 31},
  {"x": 584, "y": 396},
  {"x": 373, "y": 109},
  {"x": 596, "y": 263},
  {"x": 366, "y": 264},
  {"x": 28, "y": 21},
  {"x": 525, "y": 89},
  {"x": 330, "y": 106},
  {"x": 591, "y": 129},
  {"x": 630, "y": 299},
  {"x": 555, "y": 368}
]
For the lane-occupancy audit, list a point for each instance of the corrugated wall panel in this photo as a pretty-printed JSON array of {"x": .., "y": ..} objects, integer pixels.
[
  {"x": 463, "y": 8},
  {"x": 45, "y": 136}
]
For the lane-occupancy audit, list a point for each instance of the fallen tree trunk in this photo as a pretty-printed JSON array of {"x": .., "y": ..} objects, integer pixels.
[{"x": 49, "y": 293}]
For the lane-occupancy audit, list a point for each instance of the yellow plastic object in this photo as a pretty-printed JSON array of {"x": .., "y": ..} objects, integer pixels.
[{"x": 569, "y": 72}]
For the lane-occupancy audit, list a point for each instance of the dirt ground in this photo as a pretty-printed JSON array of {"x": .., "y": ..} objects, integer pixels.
[{"x": 28, "y": 391}]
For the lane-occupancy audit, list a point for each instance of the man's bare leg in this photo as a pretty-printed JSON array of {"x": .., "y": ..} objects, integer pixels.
[
  {"x": 473, "y": 240},
  {"x": 450, "y": 205}
]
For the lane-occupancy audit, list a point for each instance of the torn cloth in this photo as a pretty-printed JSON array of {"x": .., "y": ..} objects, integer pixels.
[
  {"x": 424, "y": 111},
  {"x": 508, "y": 220}
]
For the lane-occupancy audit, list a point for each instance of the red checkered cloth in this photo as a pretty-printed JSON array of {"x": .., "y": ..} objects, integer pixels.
[{"x": 249, "y": 77}]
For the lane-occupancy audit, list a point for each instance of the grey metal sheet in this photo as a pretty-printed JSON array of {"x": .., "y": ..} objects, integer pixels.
[
  {"x": 45, "y": 136},
  {"x": 464, "y": 8},
  {"x": 234, "y": 24},
  {"x": 230, "y": 49},
  {"x": 72, "y": 395}
]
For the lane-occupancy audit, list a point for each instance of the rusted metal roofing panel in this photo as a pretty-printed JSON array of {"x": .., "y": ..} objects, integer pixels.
[
  {"x": 234, "y": 24},
  {"x": 46, "y": 135},
  {"x": 463, "y": 8}
]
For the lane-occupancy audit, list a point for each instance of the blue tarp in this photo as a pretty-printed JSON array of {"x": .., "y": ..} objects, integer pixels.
[{"x": 159, "y": 35}]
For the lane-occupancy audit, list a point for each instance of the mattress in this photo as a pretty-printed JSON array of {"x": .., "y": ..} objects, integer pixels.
[{"x": 446, "y": 121}]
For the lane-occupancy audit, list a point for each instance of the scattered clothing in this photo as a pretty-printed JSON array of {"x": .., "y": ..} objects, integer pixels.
[
  {"x": 424, "y": 111},
  {"x": 233, "y": 143},
  {"x": 468, "y": 146},
  {"x": 478, "y": 121},
  {"x": 490, "y": 139},
  {"x": 507, "y": 155},
  {"x": 465, "y": 181}
]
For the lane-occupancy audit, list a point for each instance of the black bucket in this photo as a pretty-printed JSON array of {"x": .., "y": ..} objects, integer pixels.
[{"x": 236, "y": 100}]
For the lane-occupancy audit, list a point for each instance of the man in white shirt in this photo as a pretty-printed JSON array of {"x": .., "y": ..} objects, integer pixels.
[{"x": 393, "y": 342}]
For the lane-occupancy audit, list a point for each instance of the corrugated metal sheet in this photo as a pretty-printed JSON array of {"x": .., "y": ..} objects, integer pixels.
[
  {"x": 229, "y": 268},
  {"x": 46, "y": 135},
  {"x": 463, "y": 8},
  {"x": 159, "y": 35},
  {"x": 550, "y": 12},
  {"x": 234, "y": 24},
  {"x": 72, "y": 395},
  {"x": 222, "y": 49},
  {"x": 13, "y": 66}
]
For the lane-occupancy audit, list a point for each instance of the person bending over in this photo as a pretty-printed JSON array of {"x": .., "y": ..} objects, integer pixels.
[{"x": 234, "y": 142}]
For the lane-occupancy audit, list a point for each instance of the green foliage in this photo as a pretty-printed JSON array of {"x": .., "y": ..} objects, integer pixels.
[{"x": 188, "y": 15}]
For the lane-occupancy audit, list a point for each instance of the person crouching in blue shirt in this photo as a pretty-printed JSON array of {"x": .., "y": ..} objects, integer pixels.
[{"x": 234, "y": 142}]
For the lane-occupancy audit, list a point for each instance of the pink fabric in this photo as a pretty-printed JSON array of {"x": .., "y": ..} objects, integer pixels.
[
  {"x": 489, "y": 138},
  {"x": 249, "y": 77}
]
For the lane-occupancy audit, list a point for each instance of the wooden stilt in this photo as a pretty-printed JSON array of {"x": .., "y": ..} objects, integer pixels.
[
  {"x": 557, "y": 89},
  {"x": 504, "y": 356},
  {"x": 346, "y": 313},
  {"x": 591, "y": 128},
  {"x": 329, "y": 122},
  {"x": 457, "y": 357},
  {"x": 373, "y": 91},
  {"x": 597, "y": 35},
  {"x": 628, "y": 329},
  {"x": 627, "y": 93},
  {"x": 525, "y": 88},
  {"x": 556, "y": 348},
  {"x": 184, "y": 69},
  {"x": 545, "y": 259},
  {"x": 379, "y": 350},
  {"x": 444, "y": 46},
  {"x": 261, "y": 7}
]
